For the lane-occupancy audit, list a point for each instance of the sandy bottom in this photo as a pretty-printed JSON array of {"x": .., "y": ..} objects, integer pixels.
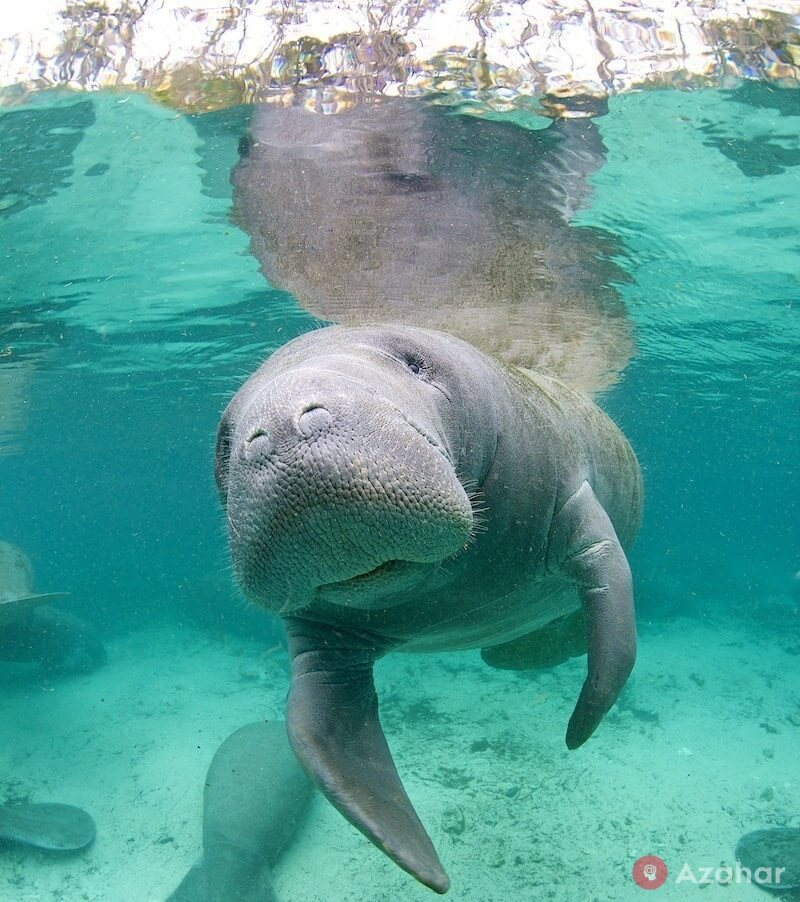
[{"x": 703, "y": 747}]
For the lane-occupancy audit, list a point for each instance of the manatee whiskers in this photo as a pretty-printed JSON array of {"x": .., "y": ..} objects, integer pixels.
[
  {"x": 232, "y": 527},
  {"x": 477, "y": 500}
]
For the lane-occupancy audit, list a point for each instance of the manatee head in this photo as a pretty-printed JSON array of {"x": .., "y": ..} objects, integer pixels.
[{"x": 342, "y": 465}]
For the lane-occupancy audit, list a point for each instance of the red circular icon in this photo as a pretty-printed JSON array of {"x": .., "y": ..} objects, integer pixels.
[{"x": 649, "y": 872}]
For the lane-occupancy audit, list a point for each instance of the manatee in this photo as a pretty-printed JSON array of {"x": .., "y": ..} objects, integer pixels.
[
  {"x": 47, "y": 825},
  {"x": 393, "y": 488},
  {"x": 400, "y": 211},
  {"x": 15, "y": 385},
  {"x": 254, "y": 796},
  {"x": 773, "y": 857},
  {"x": 16, "y": 585},
  {"x": 33, "y": 631}
]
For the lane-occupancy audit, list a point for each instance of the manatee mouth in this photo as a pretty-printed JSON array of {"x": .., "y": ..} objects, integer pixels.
[
  {"x": 377, "y": 586},
  {"x": 380, "y": 570}
]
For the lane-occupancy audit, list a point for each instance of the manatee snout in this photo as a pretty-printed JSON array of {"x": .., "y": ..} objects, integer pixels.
[{"x": 329, "y": 487}]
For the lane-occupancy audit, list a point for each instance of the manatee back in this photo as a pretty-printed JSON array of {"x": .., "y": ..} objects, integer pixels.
[{"x": 255, "y": 792}]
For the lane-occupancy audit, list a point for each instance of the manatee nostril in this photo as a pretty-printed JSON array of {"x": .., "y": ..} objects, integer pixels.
[
  {"x": 313, "y": 420},
  {"x": 258, "y": 444}
]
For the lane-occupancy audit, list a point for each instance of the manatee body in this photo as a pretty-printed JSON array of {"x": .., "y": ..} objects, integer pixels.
[
  {"x": 58, "y": 640},
  {"x": 400, "y": 211},
  {"x": 388, "y": 487},
  {"x": 33, "y": 631},
  {"x": 255, "y": 793}
]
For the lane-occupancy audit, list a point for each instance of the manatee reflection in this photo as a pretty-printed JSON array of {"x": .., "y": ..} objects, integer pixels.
[
  {"x": 401, "y": 211},
  {"x": 15, "y": 379}
]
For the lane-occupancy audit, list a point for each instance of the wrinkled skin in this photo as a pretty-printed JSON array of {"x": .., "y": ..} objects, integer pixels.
[
  {"x": 394, "y": 488},
  {"x": 402, "y": 212}
]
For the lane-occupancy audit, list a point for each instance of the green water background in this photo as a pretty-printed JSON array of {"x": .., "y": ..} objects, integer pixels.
[{"x": 128, "y": 290}]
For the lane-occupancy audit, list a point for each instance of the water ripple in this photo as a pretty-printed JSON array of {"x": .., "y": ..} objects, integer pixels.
[{"x": 197, "y": 55}]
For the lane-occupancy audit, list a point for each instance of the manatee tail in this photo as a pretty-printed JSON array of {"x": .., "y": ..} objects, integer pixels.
[
  {"x": 334, "y": 729},
  {"x": 52, "y": 826},
  {"x": 200, "y": 885}
]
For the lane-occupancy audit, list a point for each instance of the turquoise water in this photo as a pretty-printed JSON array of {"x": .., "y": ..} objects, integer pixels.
[{"x": 131, "y": 308}]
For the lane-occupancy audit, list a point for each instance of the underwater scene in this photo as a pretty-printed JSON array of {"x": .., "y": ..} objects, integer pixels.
[{"x": 400, "y": 488}]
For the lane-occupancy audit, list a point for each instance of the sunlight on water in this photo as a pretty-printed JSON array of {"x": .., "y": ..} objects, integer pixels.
[{"x": 197, "y": 55}]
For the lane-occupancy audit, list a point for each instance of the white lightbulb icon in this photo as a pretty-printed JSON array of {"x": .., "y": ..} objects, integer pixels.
[{"x": 649, "y": 871}]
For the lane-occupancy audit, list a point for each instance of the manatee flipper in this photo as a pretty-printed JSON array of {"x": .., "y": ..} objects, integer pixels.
[
  {"x": 334, "y": 729},
  {"x": 548, "y": 646},
  {"x": 47, "y": 825},
  {"x": 590, "y": 555}
]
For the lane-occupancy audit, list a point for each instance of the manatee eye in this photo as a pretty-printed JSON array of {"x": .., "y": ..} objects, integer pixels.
[{"x": 415, "y": 363}]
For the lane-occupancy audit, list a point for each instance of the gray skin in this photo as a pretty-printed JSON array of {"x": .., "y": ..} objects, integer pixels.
[
  {"x": 255, "y": 794},
  {"x": 391, "y": 488},
  {"x": 57, "y": 640},
  {"x": 46, "y": 825}
]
